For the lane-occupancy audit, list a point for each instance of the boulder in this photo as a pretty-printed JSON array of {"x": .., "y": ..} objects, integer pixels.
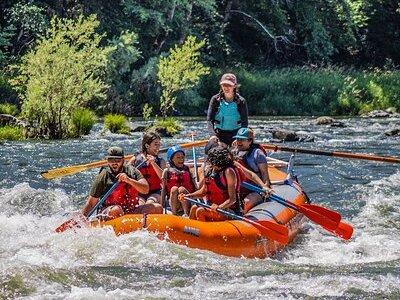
[
  {"x": 138, "y": 128},
  {"x": 285, "y": 135},
  {"x": 393, "y": 132},
  {"x": 324, "y": 120},
  {"x": 6, "y": 120},
  {"x": 377, "y": 114}
]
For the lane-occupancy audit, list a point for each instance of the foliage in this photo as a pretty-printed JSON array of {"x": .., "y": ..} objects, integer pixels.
[
  {"x": 11, "y": 133},
  {"x": 147, "y": 111},
  {"x": 29, "y": 22},
  {"x": 170, "y": 125},
  {"x": 8, "y": 109},
  {"x": 120, "y": 66},
  {"x": 82, "y": 122},
  {"x": 5, "y": 37},
  {"x": 116, "y": 123},
  {"x": 180, "y": 70},
  {"x": 61, "y": 74}
]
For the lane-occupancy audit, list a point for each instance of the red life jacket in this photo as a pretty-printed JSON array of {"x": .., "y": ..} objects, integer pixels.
[
  {"x": 217, "y": 189},
  {"x": 180, "y": 178},
  {"x": 124, "y": 195},
  {"x": 150, "y": 175}
]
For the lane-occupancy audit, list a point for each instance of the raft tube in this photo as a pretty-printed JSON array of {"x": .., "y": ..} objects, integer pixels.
[{"x": 231, "y": 237}]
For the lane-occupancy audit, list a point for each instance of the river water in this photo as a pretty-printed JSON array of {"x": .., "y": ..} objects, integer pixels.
[{"x": 36, "y": 263}]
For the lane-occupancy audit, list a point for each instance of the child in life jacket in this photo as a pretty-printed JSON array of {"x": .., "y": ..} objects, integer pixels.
[
  {"x": 221, "y": 188},
  {"x": 151, "y": 166},
  {"x": 177, "y": 179}
]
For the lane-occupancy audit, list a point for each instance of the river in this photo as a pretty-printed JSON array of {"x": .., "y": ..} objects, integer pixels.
[{"x": 37, "y": 263}]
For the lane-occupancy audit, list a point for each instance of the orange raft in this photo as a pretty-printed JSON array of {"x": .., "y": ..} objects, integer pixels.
[{"x": 231, "y": 238}]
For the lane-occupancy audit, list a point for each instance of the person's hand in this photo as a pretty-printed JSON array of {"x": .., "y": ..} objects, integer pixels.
[
  {"x": 150, "y": 159},
  {"x": 214, "y": 207},
  {"x": 214, "y": 138},
  {"x": 181, "y": 197},
  {"x": 267, "y": 190},
  {"x": 123, "y": 177}
]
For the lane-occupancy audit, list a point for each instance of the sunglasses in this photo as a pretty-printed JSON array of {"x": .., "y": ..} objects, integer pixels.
[{"x": 114, "y": 160}]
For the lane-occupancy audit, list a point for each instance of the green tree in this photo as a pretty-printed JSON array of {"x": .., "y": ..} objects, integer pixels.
[
  {"x": 180, "y": 70},
  {"x": 63, "y": 73}
]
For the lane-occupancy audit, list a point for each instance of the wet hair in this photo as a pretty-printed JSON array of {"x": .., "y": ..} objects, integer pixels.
[
  {"x": 220, "y": 157},
  {"x": 148, "y": 138},
  {"x": 210, "y": 145}
]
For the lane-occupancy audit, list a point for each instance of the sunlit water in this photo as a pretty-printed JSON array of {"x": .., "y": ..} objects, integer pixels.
[{"x": 36, "y": 263}]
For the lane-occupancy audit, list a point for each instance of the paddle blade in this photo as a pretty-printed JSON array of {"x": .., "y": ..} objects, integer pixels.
[
  {"x": 271, "y": 230},
  {"x": 320, "y": 215},
  {"x": 61, "y": 172},
  {"x": 344, "y": 230},
  {"x": 76, "y": 222}
]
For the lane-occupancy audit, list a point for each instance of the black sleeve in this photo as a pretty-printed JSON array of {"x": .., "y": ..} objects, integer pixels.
[{"x": 211, "y": 112}]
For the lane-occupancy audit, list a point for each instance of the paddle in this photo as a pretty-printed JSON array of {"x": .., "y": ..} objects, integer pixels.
[
  {"x": 318, "y": 214},
  {"x": 194, "y": 160},
  {"x": 328, "y": 219},
  {"x": 70, "y": 170},
  {"x": 364, "y": 156},
  {"x": 73, "y": 222},
  {"x": 268, "y": 229}
]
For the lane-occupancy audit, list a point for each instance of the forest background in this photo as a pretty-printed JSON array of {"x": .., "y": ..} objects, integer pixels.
[{"x": 291, "y": 57}]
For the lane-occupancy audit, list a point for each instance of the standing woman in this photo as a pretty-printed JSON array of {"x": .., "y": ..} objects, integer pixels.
[
  {"x": 152, "y": 168},
  {"x": 227, "y": 111}
]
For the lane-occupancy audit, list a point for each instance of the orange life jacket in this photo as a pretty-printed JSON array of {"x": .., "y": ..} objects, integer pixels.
[
  {"x": 217, "y": 189},
  {"x": 179, "y": 178},
  {"x": 150, "y": 175},
  {"x": 124, "y": 195}
]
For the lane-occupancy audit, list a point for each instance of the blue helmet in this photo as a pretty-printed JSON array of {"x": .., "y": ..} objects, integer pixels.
[{"x": 172, "y": 150}]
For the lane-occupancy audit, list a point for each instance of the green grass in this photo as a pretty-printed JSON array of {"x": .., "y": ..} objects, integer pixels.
[
  {"x": 82, "y": 122},
  {"x": 11, "y": 133},
  {"x": 116, "y": 123}
]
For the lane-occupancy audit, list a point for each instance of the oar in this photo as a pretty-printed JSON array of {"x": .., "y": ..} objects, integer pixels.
[
  {"x": 73, "y": 222},
  {"x": 194, "y": 160},
  {"x": 364, "y": 156},
  {"x": 70, "y": 170},
  {"x": 268, "y": 229},
  {"x": 318, "y": 214},
  {"x": 327, "y": 218}
]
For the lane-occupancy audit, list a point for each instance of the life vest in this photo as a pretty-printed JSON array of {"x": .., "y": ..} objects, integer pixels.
[
  {"x": 217, "y": 189},
  {"x": 179, "y": 178},
  {"x": 249, "y": 159},
  {"x": 249, "y": 162},
  {"x": 227, "y": 117},
  {"x": 150, "y": 174},
  {"x": 123, "y": 195}
]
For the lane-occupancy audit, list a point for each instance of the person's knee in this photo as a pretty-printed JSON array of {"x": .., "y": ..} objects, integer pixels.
[
  {"x": 174, "y": 190},
  {"x": 181, "y": 190}
]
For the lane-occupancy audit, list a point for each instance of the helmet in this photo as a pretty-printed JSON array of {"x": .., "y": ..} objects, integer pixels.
[{"x": 172, "y": 150}]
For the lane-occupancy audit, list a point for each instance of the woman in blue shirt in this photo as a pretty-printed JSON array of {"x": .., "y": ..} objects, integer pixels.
[{"x": 227, "y": 111}]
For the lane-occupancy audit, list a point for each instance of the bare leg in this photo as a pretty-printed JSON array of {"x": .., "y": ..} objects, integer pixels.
[
  {"x": 251, "y": 200},
  {"x": 185, "y": 204},
  {"x": 112, "y": 212},
  {"x": 154, "y": 198},
  {"x": 173, "y": 200},
  {"x": 148, "y": 208}
]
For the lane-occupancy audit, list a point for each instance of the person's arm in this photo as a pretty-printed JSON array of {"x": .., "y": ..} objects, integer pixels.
[
  {"x": 152, "y": 161},
  {"x": 140, "y": 185},
  {"x": 244, "y": 113},
  {"x": 90, "y": 203},
  {"x": 249, "y": 174},
  {"x": 231, "y": 181},
  {"x": 163, "y": 187},
  {"x": 197, "y": 194},
  {"x": 211, "y": 112},
  {"x": 264, "y": 174}
]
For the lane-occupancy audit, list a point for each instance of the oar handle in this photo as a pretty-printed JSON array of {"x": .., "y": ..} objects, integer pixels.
[
  {"x": 363, "y": 156},
  {"x": 103, "y": 199}
]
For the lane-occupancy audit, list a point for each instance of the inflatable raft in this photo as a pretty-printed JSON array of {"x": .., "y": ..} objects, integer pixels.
[{"x": 231, "y": 237}]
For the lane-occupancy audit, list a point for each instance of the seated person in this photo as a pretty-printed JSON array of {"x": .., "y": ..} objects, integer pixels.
[
  {"x": 124, "y": 198},
  {"x": 221, "y": 188},
  {"x": 151, "y": 166},
  {"x": 177, "y": 179}
]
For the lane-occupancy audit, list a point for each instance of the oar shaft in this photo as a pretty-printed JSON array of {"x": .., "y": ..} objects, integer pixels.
[{"x": 363, "y": 156}]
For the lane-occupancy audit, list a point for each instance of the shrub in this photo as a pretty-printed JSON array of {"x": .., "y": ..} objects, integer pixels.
[
  {"x": 116, "y": 123},
  {"x": 170, "y": 125},
  {"x": 8, "y": 109},
  {"x": 12, "y": 133},
  {"x": 82, "y": 122}
]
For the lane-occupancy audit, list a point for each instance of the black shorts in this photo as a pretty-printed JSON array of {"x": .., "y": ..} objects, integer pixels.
[{"x": 226, "y": 136}]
